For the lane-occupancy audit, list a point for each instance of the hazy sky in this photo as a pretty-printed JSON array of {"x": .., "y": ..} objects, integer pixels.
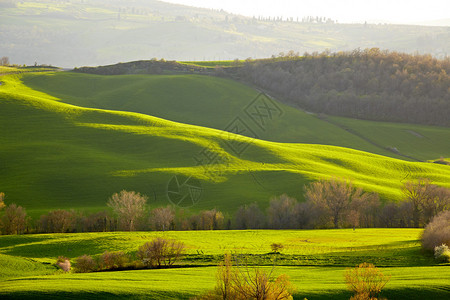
[{"x": 345, "y": 11}]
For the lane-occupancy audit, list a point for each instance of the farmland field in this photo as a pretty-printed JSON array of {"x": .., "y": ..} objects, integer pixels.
[
  {"x": 151, "y": 149},
  {"x": 71, "y": 141},
  {"x": 315, "y": 260}
]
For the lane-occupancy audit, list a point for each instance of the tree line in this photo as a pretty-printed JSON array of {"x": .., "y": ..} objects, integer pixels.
[
  {"x": 332, "y": 203},
  {"x": 367, "y": 84}
]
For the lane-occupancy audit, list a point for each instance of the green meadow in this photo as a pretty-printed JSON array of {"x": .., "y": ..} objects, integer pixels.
[
  {"x": 315, "y": 261},
  {"x": 215, "y": 102},
  {"x": 71, "y": 140}
]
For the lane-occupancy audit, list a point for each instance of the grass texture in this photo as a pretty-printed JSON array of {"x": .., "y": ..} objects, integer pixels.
[{"x": 72, "y": 140}]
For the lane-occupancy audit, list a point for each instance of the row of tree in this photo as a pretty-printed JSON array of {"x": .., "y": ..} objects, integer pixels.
[
  {"x": 333, "y": 203},
  {"x": 367, "y": 84},
  {"x": 336, "y": 203}
]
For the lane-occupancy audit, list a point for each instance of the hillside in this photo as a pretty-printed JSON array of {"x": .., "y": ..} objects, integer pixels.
[
  {"x": 369, "y": 84},
  {"x": 59, "y": 155},
  {"x": 214, "y": 102},
  {"x": 76, "y": 33}
]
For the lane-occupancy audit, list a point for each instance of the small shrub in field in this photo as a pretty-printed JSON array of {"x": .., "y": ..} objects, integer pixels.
[
  {"x": 85, "y": 264},
  {"x": 366, "y": 281},
  {"x": 63, "y": 263},
  {"x": 276, "y": 248},
  {"x": 160, "y": 252},
  {"x": 113, "y": 260},
  {"x": 442, "y": 253},
  {"x": 242, "y": 283},
  {"x": 437, "y": 232}
]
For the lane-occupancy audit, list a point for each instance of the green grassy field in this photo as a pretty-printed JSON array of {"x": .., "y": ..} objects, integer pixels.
[
  {"x": 319, "y": 275},
  {"x": 60, "y": 155},
  {"x": 417, "y": 141},
  {"x": 215, "y": 103}
]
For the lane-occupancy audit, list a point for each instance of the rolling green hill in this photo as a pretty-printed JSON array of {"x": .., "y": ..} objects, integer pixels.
[
  {"x": 214, "y": 102},
  {"x": 59, "y": 155}
]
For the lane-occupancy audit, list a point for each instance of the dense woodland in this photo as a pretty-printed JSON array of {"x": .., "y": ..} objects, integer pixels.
[{"x": 365, "y": 84}]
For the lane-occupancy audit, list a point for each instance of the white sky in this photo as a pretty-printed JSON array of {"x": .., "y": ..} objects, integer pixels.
[{"x": 345, "y": 11}]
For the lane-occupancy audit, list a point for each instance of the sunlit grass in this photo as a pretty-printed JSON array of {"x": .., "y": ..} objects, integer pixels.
[
  {"x": 63, "y": 155},
  {"x": 318, "y": 275}
]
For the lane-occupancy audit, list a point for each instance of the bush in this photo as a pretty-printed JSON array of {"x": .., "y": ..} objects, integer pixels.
[
  {"x": 437, "y": 231},
  {"x": 241, "y": 283},
  {"x": 113, "y": 260},
  {"x": 85, "y": 264},
  {"x": 160, "y": 252},
  {"x": 442, "y": 253},
  {"x": 63, "y": 263},
  {"x": 366, "y": 281}
]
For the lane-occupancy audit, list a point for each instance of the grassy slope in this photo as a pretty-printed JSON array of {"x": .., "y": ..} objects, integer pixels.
[
  {"x": 311, "y": 282},
  {"x": 56, "y": 155},
  {"x": 214, "y": 102},
  {"x": 422, "y": 142},
  {"x": 414, "y": 276}
]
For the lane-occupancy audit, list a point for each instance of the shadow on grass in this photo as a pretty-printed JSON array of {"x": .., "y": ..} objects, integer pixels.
[
  {"x": 17, "y": 240},
  {"x": 95, "y": 295},
  {"x": 399, "y": 293},
  {"x": 69, "y": 249}
]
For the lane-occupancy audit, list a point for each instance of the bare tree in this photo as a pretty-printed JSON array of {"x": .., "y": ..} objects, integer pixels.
[
  {"x": 415, "y": 194},
  {"x": 282, "y": 212},
  {"x": 129, "y": 207},
  {"x": 363, "y": 211},
  {"x": 14, "y": 220},
  {"x": 426, "y": 199},
  {"x": 224, "y": 277},
  {"x": 210, "y": 219},
  {"x": 249, "y": 217},
  {"x": 162, "y": 218},
  {"x": 334, "y": 197},
  {"x": 389, "y": 215},
  {"x": 98, "y": 222},
  {"x": 243, "y": 282},
  {"x": 437, "y": 200},
  {"x": 58, "y": 221},
  {"x": 161, "y": 252}
]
